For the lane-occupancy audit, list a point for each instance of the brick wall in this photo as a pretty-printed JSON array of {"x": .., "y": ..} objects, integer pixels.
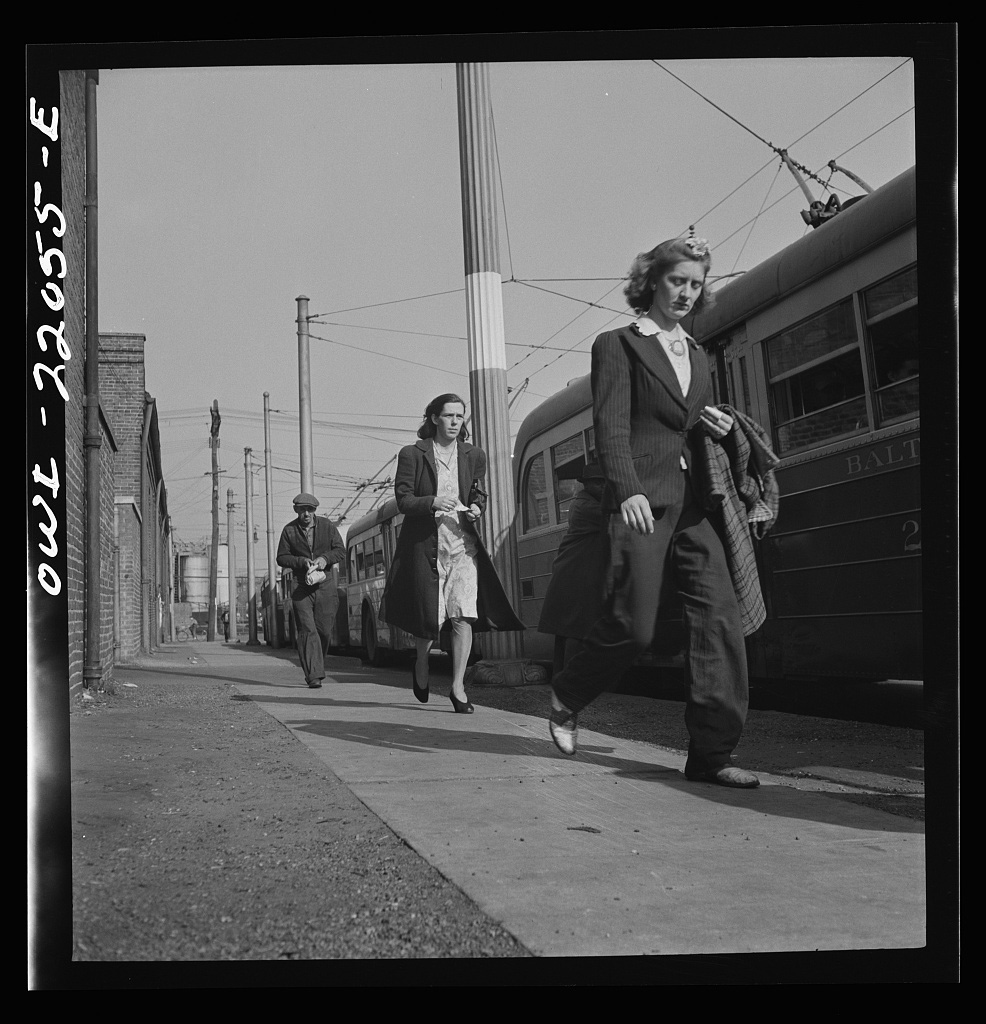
[
  {"x": 128, "y": 610},
  {"x": 73, "y": 141},
  {"x": 121, "y": 392}
]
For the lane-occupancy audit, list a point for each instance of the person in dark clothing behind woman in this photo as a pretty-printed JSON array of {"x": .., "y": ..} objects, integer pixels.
[
  {"x": 574, "y": 598},
  {"x": 651, "y": 395},
  {"x": 441, "y": 572},
  {"x": 309, "y": 545}
]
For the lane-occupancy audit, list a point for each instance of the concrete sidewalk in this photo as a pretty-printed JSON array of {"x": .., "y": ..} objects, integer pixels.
[{"x": 609, "y": 853}]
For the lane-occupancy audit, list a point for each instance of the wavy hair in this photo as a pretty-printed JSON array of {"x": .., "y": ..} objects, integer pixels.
[
  {"x": 648, "y": 267},
  {"x": 435, "y": 406}
]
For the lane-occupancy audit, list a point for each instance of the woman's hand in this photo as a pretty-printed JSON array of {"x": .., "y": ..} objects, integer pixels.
[
  {"x": 637, "y": 514},
  {"x": 441, "y": 504},
  {"x": 474, "y": 513},
  {"x": 716, "y": 422}
]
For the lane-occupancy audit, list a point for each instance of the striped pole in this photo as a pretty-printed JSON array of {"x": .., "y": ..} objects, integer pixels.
[{"x": 490, "y": 418}]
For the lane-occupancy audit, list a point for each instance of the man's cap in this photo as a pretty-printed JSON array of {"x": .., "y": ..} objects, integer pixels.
[{"x": 306, "y": 499}]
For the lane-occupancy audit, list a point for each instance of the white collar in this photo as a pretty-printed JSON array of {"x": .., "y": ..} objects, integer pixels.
[{"x": 648, "y": 328}]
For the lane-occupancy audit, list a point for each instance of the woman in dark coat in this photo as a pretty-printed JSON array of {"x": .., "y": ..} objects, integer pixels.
[{"x": 441, "y": 572}]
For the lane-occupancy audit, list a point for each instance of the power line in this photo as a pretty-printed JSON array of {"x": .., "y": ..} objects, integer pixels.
[
  {"x": 390, "y": 302},
  {"x": 776, "y": 149},
  {"x": 503, "y": 198},
  {"x": 427, "y": 366},
  {"x": 585, "y": 302},
  {"x": 389, "y": 330}
]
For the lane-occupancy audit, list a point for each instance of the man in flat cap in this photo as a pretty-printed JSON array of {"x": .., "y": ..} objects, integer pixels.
[{"x": 308, "y": 546}]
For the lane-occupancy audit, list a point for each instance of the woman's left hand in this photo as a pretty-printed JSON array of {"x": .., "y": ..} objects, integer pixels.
[
  {"x": 716, "y": 422},
  {"x": 474, "y": 513}
]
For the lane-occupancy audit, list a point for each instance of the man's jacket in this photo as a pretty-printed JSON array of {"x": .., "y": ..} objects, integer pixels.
[{"x": 294, "y": 552}]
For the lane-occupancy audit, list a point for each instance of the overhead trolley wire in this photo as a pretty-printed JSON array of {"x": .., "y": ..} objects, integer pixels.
[
  {"x": 389, "y": 302},
  {"x": 390, "y": 330},
  {"x": 427, "y": 366},
  {"x": 778, "y": 150},
  {"x": 503, "y": 198},
  {"x": 756, "y": 218}
]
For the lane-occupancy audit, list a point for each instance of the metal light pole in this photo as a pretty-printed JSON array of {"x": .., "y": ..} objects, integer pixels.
[
  {"x": 305, "y": 396},
  {"x": 251, "y": 576},
  {"x": 274, "y": 631},
  {"x": 484, "y": 316},
  {"x": 231, "y": 559},
  {"x": 214, "y": 550}
]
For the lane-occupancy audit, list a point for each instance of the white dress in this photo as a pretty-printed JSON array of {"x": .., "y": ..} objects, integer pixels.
[{"x": 458, "y": 578}]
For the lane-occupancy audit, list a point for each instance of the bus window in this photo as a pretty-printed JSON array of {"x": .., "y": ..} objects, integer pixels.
[
  {"x": 535, "y": 494},
  {"x": 892, "y": 328},
  {"x": 379, "y": 568},
  {"x": 568, "y": 460},
  {"x": 816, "y": 380},
  {"x": 360, "y": 561}
]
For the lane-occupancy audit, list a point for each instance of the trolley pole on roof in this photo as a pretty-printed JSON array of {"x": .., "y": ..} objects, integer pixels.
[
  {"x": 231, "y": 559},
  {"x": 305, "y": 396},
  {"x": 272, "y": 632},
  {"x": 487, "y": 350},
  {"x": 251, "y": 571}
]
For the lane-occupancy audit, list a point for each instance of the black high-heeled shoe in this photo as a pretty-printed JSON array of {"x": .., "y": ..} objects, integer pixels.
[
  {"x": 421, "y": 694},
  {"x": 461, "y": 707}
]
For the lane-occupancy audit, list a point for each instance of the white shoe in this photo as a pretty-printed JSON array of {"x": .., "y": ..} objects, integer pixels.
[{"x": 564, "y": 728}]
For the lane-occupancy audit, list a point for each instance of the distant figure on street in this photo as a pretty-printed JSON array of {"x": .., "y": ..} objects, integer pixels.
[
  {"x": 441, "y": 573},
  {"x": 309, "y": 545},
  {"x": 226, "y": 624},
  {"x": 658, "y": 442}
]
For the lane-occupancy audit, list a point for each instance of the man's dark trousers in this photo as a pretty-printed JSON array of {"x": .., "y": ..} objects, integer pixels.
[
  {"x": 685, "y": 551},
  {"x": 314, "y": 612}
]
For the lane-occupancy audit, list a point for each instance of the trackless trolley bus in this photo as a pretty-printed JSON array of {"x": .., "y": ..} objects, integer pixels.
[
  {"x": 370, "y": 545},
  {"x": 818, "y": 344}
]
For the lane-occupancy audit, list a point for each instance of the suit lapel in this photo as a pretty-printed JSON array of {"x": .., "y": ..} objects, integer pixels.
[{"x": 651, "y": 353}]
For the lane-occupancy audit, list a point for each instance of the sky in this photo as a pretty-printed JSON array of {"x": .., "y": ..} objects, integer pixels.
[{"x": 226, "y": 192}]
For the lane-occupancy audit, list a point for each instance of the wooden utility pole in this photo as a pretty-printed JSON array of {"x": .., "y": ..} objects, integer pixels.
[
  {"x": 487, "y": 349},
  {"x": 273, "y": 632},
  {"x": 231, "y": 562},
  {"x": 251, "y": 572},
  {"x": 214, "y": 552}
]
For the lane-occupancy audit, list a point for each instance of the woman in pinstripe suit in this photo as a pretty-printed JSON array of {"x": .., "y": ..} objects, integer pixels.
[{"x": 651, "y": 394}]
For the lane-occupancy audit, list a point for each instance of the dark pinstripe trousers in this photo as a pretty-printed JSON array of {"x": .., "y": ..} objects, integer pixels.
[{"x": 685, "y": 552}]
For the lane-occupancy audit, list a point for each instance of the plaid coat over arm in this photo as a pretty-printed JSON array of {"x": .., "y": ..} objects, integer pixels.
[{"x": 736, "y": 475}]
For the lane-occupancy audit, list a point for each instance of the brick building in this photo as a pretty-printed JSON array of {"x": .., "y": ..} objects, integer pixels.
[
  {"x": 133, "y": 525},
  {"x": 141, "y": 527}
]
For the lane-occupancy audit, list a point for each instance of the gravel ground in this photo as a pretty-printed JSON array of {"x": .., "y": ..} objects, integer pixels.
[
  {"x": 203, "y": 831},
  {"x": 185, "y": 851}
]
